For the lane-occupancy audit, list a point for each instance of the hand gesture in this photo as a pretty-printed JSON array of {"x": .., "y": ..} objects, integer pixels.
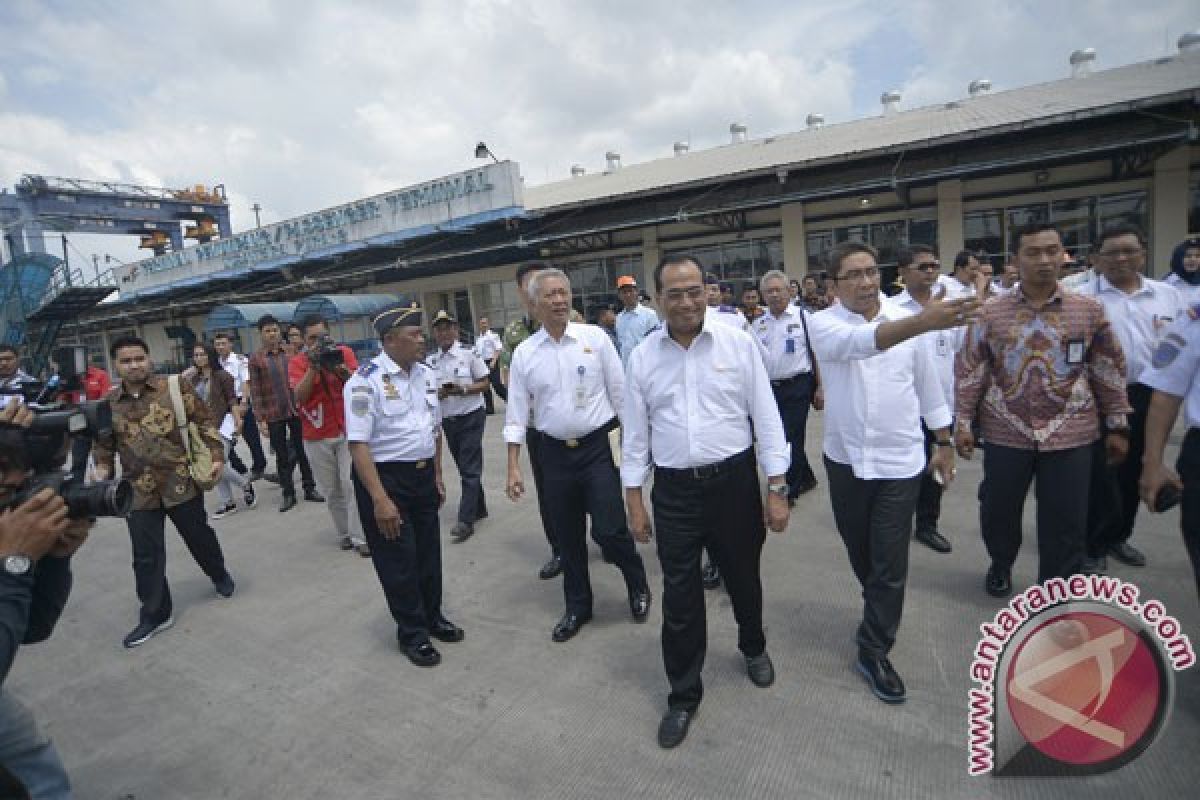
[{"x": 940, "y": 314}]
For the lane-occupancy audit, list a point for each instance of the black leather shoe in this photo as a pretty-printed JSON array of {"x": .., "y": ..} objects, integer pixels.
[
  {"x": 639, "y": 604},
  {"x": 998, "y": 582},
  {"x": 933, "y": 540},
  {"x": 760, "y": 669},
  {"x": 313, "y": 496},
  {"x": 289, "y": 502},
  {"x": 225, "y": 585},
  {"x": 710, "y": 575},
  {"x": 551, "y": 569},
  {"x": 423, "y": 654},
  {"x": 881, "y": 677},
  {"x": 1094, "y": 566},
  {"x": 674, "y": 727},
  {"x": 1127, "y": 554},
  {"x": 444, "y": 630},
  {"x": 569, "y": 625}
]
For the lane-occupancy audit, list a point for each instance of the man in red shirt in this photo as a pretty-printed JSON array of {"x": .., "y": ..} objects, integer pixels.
[{"x": 317, "y": 380}]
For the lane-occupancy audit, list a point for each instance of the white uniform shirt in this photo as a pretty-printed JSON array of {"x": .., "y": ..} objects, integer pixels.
[
  {"x": 393, "y": 411},
  {"x": 784, "y": 342},
  {"x": 944, "y": 345},
  {"x": 487, "y": 344},
  {"x": 875, "y": 399},
  {"x": 1189, "y": 293},
  {"x": 239, "y": 368},
  {"x": 955, "y": 288},
  {"x": 1139, "y": 319},
  {"x": 726, "y": 315},
  {"x": 460, "y": 366},
  {"x": 573, "y": 386},
  {"x": 1175, "y": 368},
  {"x": 694, "y": 407},
  {"x": 632, "y": 327}
]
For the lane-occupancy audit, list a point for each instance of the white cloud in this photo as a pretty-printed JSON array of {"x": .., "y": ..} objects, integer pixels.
[{"x": 299, "y": 105}]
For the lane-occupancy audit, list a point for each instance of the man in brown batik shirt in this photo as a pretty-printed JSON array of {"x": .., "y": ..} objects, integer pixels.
[{"x": 147, "y": 436}]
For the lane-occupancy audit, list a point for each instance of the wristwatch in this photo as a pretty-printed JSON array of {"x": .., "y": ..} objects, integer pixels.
[
  {"x": 17, "y": 564},
  {"x": 780, "y": 489}
]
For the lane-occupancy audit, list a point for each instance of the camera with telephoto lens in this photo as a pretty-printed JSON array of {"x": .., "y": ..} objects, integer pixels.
[
  {"x": 47, "y": 440},
  {"x": 327, "y": 355}
]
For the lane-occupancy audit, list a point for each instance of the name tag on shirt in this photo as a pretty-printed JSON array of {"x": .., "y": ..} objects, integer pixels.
[
  {"x": 790, "y": 346},
  {"x": 1075, "y": 351},
  {"x": 943, "y": 346}
]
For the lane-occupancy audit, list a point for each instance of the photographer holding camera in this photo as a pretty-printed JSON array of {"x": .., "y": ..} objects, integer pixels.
[
  {"x": 317, "y": 375},
  {"x": 37, "y": 540}
]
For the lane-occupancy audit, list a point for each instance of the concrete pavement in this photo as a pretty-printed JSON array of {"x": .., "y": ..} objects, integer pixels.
[{"x": 294, "y": 688}]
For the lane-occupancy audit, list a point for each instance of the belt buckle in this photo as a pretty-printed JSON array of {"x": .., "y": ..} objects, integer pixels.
[
  {"x": 572, "y": 443},
  {"x": 705, "y": 472},
  {"x": 420, "y": 465}
]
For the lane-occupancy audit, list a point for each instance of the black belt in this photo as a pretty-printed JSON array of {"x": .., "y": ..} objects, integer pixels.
[
  {"x": 399, "y": 466},
  {"x": 708, "y": 471},
  {"x": 587, "y": 438},
  {"x": 463, "y": 416},
  {"x": 786, "y": 381}
]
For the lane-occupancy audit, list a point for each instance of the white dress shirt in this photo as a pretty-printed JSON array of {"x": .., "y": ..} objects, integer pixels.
[
  {"x": 395, "y": 412},
  {"x": 461, "y": 366},
  {"x": 239, "y": 368},
  {"x": 955, "y": 288},
  {"x": 1175, "y": 368},
  {"x": 784, "y": 341},
  {"x": 694, "y": 407},
  {"x": 1189, "y": 293},
  {"x": 573, "y": 386},
  {"x": 487, "y": 344},
  {"x": 875, "y": 399},
  {"x": 944, "y": 345},
  {"x": 726, "y": 315},
  {"x": 632, "y": 326},
  {"x": 1139, "y": 319}
]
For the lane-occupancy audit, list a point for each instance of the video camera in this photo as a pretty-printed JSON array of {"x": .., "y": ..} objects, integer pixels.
[
  {"x": 55, "y": 423},
  {"x": 327, "y": 355}
]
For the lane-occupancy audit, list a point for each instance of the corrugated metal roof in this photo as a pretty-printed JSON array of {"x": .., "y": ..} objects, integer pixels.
[{"x": 1107, "y": 91}]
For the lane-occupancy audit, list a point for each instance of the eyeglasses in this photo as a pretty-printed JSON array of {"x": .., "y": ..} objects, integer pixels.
[
  {"x": 690, "y": 292},
  {"x": 857, "y": 275},
  {"x": 1121, "y": 252}
]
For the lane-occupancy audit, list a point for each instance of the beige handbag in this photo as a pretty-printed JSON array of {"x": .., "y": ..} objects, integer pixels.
[{"x": 199, "y": 457}]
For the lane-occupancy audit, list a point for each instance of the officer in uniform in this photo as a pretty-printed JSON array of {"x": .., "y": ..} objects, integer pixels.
[
  {"x": 516, "y": 332},
  {"x": 792, "y": 368},
  {"x": 462, "y": 377},
  {"x": 393, "y": 426},
  {"x": 1174, "y": 375},
  {"x": 717, "y": 310},
  {"x": 570, "y": 377}
]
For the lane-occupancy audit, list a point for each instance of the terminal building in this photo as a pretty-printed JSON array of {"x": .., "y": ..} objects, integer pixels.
[{"x": 1083, "y": 152}]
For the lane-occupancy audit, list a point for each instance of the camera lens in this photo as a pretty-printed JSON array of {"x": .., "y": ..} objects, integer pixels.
[{"x": 100, "y": 499}]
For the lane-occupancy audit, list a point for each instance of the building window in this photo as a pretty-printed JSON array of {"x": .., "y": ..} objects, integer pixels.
[
  {"x": 886, "y": 237},
  {"x": 1079, "y": 219},
  {"x": 500, "y": 302},
  {"x": 594, "y": 282},
  {"x": 1121, "y": 209},
  {"x": 742, "y": 262}
]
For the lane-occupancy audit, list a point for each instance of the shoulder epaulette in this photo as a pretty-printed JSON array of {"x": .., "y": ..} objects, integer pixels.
[
  {"x": 366, "y": 369},
  {"x": 1194, "y": 311}
]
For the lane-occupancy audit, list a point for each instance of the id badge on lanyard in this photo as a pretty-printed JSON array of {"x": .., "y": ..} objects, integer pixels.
[{"x": 580, "y": 389}]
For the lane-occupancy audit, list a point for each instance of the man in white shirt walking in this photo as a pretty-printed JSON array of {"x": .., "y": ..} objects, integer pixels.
[
  {"x": 238, "y": 366},
  {"x": 1140, "y": 310},
  {"x": 880, "y": 382},
  {"x": 488, "y": 347},
  {"x": 697, "y": 398},
  {"x": 570, "y": 376}
]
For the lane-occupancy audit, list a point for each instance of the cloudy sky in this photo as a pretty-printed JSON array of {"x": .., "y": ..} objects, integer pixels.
[{"x": 299, "y": 105}]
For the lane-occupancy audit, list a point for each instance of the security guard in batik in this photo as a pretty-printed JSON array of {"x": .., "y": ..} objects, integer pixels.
[{"x": 393, "y": 425}]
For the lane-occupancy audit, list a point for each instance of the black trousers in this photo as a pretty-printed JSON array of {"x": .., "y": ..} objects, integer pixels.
[
  {"x": 874, "y": 519},
  {"x": 1113, "y": 497},
  {"x": 464, "y": 440},
  {"x": 1062, "y": 478},
  {"x": 253, "y": 437},
  {"x": 409, "y": 567},
  {"x": 150, "y": 552},
  {"x": 497, "y": 384},
  {"x": 723, "y": 514},
  {"x": 1188, "y": 467},
  {"x": 287, "y": 441},
  {"x": 533, "y": 441},
  {"x": 929, "y": 496},
  {"x": 794, "y": 399},
  {"x": 580, "y": 482}
]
